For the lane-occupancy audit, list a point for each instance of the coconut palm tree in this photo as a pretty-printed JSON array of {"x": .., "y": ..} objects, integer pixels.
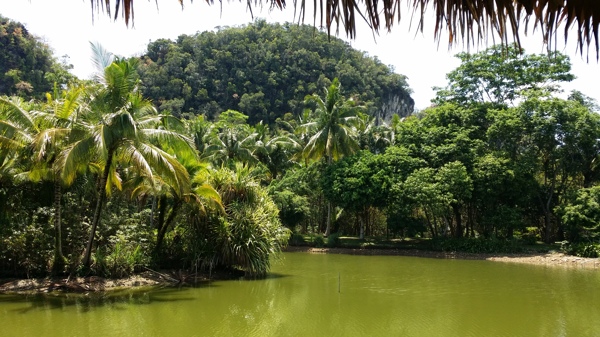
[
  {"x": 232, "y": 144},
  {"x": 16, "y": 133},
  {"x": 334, "y": 125},
  {"x": 334, "y": 129},
  {"x": 56, "y": 127},
  {"x": 471, "y": 20},
  {"x": 123, "y": 129},
  {"x": 276, "y": 153}
]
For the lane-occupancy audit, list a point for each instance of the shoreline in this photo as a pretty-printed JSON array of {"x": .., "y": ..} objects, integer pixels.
[
  {"x": 552, "y": 259},
  {"x": 152, "y": 278},
  {"x": 92, "y": 284}
]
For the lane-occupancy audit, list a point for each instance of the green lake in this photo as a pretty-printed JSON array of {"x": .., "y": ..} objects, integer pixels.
[{"x": 333, "y": 295}]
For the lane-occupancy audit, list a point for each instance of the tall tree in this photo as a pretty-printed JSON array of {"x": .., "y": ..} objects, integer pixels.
[
  {"x": 334, "y": 127},
  {"x": 123, "y": 128},
  {"x": 501, "y": 75},
  {"x": 56, "y": 127}
]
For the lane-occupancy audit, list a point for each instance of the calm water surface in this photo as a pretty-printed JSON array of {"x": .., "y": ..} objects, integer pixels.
[{"x": 378, "y": 296}]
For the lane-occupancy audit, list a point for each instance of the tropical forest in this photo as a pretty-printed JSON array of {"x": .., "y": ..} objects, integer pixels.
[
  {"x": 270, "y": 179},
  {"x": 219, "y": 149}
]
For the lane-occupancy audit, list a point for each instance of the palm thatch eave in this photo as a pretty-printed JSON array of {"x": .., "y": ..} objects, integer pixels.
[{"x": 468, "y": 20}]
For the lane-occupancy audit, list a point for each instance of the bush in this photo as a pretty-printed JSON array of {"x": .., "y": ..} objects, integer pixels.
[
  {"x": 319, "y": 241},
  {"x": 531, "y": 236},
  {"x": 249, "y": 234},
  {"x": 120, "y": 260},
  {"x": 27, "y": 249},
  {"x": 581, "y": 249},
  {"x": 333, "y": 240},
  {"x": 297, "y": 239}
]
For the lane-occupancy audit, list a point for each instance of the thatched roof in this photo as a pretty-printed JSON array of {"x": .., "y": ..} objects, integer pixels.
[{"x": 468, "y": 20}]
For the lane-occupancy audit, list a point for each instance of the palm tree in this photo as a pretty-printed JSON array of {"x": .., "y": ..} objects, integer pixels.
[
  {"x": 472, "y": 20},
  {"x": 123, "y": 128},
  {"x": 335, "y": 130},
  {"x": 16, "y": 130},
  {"x": 373, "y": 136},
  {"x": 201, "y": 198},
  {"x": 232, "y": 145},
  {"x": 275, "y": 153},
  {"x": 55, "y": 128}
]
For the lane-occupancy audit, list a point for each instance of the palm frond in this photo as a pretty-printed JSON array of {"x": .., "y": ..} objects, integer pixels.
[
  {"x": 101, "y": 58},
  {"x": 46, "y": 138},
  {"x": 13, "y": 109},
  {"x": 174, "y": 139},
  {"x": 470, "y": 20},
  {"x": 166, "y": 166},
  {"x": 13, "y": 135},
  {"x": 72, "y": 158}
]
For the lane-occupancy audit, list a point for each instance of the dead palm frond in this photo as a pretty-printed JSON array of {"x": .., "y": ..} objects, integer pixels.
[{"x": 470, "y": 20}]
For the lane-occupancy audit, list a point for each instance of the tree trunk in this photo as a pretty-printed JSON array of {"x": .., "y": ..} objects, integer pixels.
[
  {"x": 59, "y": 260},
  {"x": 99, "y": 203},
  {"x": 548, "y": 227},
  {"x": 429, "y": 224},
  {"x": 328, "y": 221},
  {"x": 458, "y": 232},
  {"x": 362, "y": 225},
  {"x": 548, "y": 230},
  {"x": 160, "y": 236}
]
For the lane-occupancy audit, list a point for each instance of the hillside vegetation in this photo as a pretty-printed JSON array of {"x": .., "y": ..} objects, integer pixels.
[
  {"x": 264, "y": 71},
  {"x": 27, "y": 66}
]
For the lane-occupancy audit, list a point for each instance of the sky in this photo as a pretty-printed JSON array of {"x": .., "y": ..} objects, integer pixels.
[{"x": 417, "y": 55}]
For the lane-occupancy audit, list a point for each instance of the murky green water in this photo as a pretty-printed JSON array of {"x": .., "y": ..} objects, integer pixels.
[{"x": 379, "y": 296}]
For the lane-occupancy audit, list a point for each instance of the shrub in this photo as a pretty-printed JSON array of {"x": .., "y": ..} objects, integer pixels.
[
  {"x": 249, "y": 233},
  {"x": 319, "y": 241},
  {"x": 333, "y": 240},
  {"x": 297, "y": 239},
  {"x": 530, "y": 236},
  {"x": 581, "y": 249},
  {"x": 119, "y": 260},
  {"x": 28, "y": 248}
]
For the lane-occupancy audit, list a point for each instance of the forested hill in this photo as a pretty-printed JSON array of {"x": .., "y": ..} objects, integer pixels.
[
  {"x": 265, "y": 70},
  {"x": 27, "y": 67}
]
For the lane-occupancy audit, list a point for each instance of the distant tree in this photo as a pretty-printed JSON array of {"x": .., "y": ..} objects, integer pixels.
[{"x": 501, "y": 75}]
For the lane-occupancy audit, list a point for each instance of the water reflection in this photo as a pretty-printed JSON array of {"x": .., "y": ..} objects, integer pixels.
[{"x": 89, "y": 301}]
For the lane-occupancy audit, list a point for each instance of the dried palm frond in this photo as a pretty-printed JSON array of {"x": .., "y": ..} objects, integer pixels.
[{"x": 470, "y": 20}]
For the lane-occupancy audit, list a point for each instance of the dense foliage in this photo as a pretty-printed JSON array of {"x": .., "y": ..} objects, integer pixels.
[
  {"x": 94, "y": 179},
  {"x": 517, "y": 162},
  {"x": 264, "y": 71}
]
